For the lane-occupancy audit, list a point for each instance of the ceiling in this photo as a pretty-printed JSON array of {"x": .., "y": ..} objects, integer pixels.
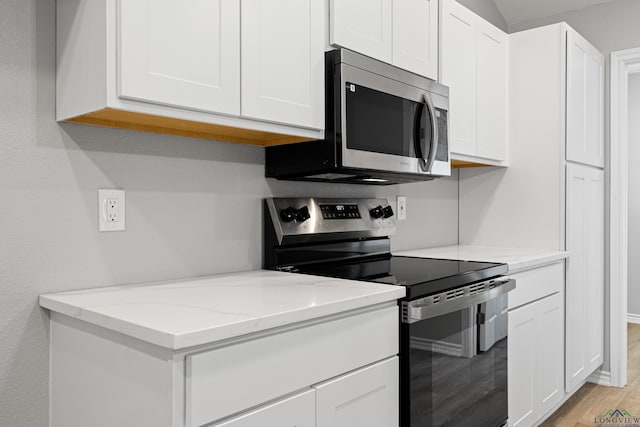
[{"x": 516, "y": 11}]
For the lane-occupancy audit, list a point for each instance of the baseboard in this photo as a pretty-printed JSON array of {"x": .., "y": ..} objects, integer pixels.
[
  {"x": 633, "y": 318},
  {"x": 600, "y": 377}
]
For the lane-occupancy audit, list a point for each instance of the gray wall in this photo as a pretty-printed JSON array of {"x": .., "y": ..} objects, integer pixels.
[
  {"x": 180, "y": 193},
  {"x": 488, "y": 10},
  {"x": 633, "y": 302}
]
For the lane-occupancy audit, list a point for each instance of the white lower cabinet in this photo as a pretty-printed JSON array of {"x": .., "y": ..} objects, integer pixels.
[
  {"x": 366, "y": 398},
  {"x": 340, "y": 370},
  {"x": 536, "y": 347}
]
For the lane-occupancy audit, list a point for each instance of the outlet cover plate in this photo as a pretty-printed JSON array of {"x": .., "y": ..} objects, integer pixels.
[
  {"x": 401, "y": 208},
  {"x": 111, "y": 210}
]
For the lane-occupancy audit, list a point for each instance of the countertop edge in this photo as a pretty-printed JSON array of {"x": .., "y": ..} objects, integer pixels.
[{"x": 177, "y": 342}]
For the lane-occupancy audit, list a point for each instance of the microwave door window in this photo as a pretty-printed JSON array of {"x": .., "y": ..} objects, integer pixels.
[{"x": 379, "y": 122}]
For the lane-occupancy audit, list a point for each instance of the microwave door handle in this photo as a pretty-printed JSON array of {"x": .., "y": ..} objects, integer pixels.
[
  {"x": 417, "y": 135},
  {"x": 434, "y": 133}
]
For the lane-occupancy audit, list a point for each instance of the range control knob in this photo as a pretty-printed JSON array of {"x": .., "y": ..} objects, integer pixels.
[
  {"x": 376, "y": 212},
  {"x": 387, "y": 211},
  {"x": 288, "y": 214},
  {"x": 303, "y": 214}
]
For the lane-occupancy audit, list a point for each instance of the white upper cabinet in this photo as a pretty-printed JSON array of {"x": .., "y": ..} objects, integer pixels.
[
  {"x": 492, "y": 91},
  {"x": 363, "y": 26},
  {"x": 226, "y": 70},
  {"x": 473, "y": 63},
  {"x": 415, "y": 36},
  {"x": 283, "y": 61},
  {"x": 184, "y": 54},
  {"x": 585, "y": 102},
  {"x": 399, "y": 32},
  {"x": 458, "y": 59}
]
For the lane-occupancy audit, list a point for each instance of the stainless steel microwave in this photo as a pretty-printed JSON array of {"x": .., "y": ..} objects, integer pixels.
[{"x": 384, "y": 125}]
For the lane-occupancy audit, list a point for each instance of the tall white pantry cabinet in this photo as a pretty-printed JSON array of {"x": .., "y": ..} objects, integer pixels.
[{"x": 552, "y": 195}]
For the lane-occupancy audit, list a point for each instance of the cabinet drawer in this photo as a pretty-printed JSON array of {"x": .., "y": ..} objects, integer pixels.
[
  {"x": 536, "y": 283},
  {"x": 298, "y": 411},
  {"x": 224, "y": 381}
]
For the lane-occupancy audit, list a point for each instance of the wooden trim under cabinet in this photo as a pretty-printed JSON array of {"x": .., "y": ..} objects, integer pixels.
[{"x": 113, "y": 118}]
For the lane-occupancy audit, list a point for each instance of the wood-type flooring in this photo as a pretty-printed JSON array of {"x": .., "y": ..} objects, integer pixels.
[{"x": 593, "y": 400}]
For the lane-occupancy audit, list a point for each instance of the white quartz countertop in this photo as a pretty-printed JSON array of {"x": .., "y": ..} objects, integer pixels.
[
  {"x": 185, "y": 313},
  {"x": 517, "y": 259}
]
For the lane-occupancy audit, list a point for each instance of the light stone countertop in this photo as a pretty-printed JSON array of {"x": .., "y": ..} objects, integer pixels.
[
  {"x": 184, "y": 313},
  {"x": 517, "y": 259}
]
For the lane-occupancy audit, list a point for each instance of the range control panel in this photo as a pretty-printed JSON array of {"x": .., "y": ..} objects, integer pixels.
[
  {"x": 338, "y": 211},
  {"x": 302, "y": 220}
]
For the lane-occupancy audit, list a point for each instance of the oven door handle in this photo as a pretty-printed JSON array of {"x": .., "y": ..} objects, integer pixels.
[{"x": 459, "y": 299}]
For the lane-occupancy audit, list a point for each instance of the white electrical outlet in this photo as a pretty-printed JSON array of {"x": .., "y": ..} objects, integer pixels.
[
  {"x": 111, "y": 210},
  {"x": 401, "y": 207}
]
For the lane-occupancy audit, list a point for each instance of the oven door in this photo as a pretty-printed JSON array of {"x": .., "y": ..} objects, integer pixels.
[
  {"x": 454, "y": 365},
  {"x": 392, "y": 126}
]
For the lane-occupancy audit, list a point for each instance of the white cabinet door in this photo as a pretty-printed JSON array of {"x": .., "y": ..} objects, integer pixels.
[
  {"x": 181, "y": 53},
  {"x": 549, "y": 359},
  {"x": 363, "y": 26},
  {"x": 585, "y": 273},
  {"x": 535, "y": 360},
  {"x": 365, "y": 398},
  {"x": 458, "y": 63},
  {"x": 492, "y": 92},
  {"x": 296, "y": 411},
  {"x": 522, "y": 366},
  {"x": 585, "y": 101},
  {"x": 415, "y": 36},
  {"x": 283, "y": 61}
]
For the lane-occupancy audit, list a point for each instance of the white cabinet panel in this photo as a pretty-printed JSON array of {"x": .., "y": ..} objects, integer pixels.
[
  {"x": 585, "y": 273},
  {"x": 415, "y": 36},
  {"x": 297, "y": 411},
  {"x": 585, "y": 101},
  {"x": 283, "y": 61},
  {"x": 366, "y": 398},
  {"x": 492, "y": 92},
  {"x": 184, "y": 54},
  {"x": 458, "y": 71},
  {"x": 363, "y": 26},
  {"x": 521, "y": 366},
  {"x": 535, "y": 360}
]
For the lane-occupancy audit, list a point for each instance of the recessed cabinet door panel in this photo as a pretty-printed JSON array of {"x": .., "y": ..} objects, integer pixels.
[
  {"x": 363, "y": 26},
  {"x": 283, "y": 61},
  {"x": 368, "y": 397},
  {"x": 492, "y": 91},
  {"x": 549, "y": 361},
  {"x": 182, "y": 53},
  {"x": 585, "y": 102},
  {"x": 415, "y": 36},
  {"x": 458, "y": 71},
  {"x": 297, "y": 411},
  {"x": 585, "y": 273},
  {"x": 521, "y": 366}
]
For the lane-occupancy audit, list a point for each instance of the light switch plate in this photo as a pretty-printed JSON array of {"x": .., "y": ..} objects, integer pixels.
[{"x": 111, "y": 210}]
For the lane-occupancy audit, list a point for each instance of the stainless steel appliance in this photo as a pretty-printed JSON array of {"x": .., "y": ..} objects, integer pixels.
[
  {"x": 384, "y": 125},
  {"x": 453, "y": 333}
]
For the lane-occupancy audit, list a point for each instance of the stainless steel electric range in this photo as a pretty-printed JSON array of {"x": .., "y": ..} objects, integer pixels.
[{"x": 453, "y": 330}]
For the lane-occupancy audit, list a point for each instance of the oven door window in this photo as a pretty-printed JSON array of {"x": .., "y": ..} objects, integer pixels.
[
  {"x": 456, "y": 370},
  {"x": 387, "y": 124}
]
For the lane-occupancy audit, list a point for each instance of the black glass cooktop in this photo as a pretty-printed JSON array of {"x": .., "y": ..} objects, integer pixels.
[{"x": 421, "y": 276}]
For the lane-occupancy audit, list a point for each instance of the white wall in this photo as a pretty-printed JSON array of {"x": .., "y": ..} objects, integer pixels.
[
  {"x": 193, "y": 207},
  {"x": 633, "y": 301}
]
